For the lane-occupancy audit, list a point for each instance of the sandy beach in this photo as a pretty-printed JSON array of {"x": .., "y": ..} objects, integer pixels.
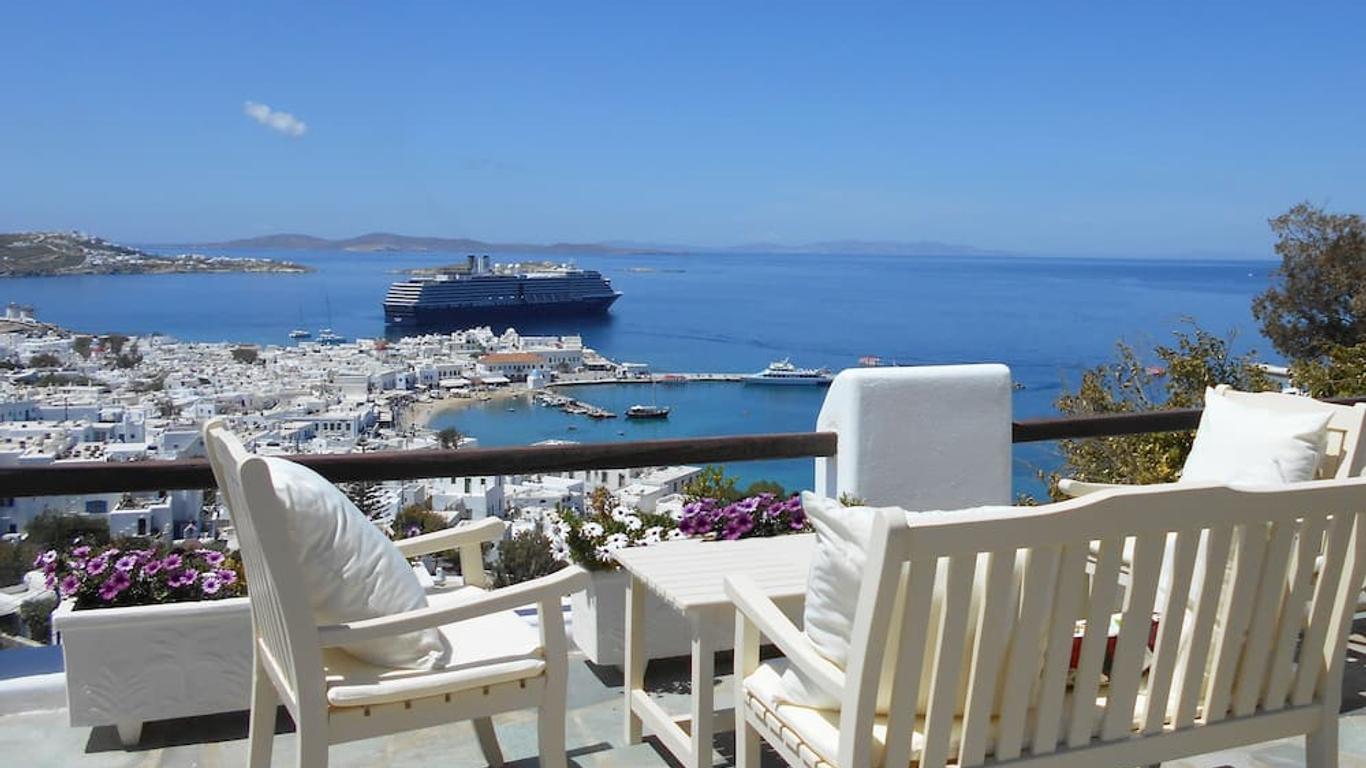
[{"x": 421, "y": 413}]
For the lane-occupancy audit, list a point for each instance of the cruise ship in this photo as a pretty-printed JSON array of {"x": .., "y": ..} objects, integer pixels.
[
  {"x": 482, "y": 291},
  {"x": 784, "y": 372}
]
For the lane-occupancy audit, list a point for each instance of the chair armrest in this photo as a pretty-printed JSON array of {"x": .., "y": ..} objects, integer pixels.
[
  {"x": 752, "y": 605},
  {"x": 489, "y": 529},
  {"x": 1075, "y": 488},
  {"x": 558, "y": 584}
]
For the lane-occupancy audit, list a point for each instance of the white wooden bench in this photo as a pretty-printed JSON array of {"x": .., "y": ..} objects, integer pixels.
[{"x": 1250, "y": 649}]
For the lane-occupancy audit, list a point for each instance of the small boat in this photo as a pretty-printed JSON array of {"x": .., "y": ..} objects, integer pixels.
[
  {"x": 326, "y": 336},
  {"x": 784, "y": 372},
  {"x": 299, "y": 333},
  {"x": 647, "y": 412}
]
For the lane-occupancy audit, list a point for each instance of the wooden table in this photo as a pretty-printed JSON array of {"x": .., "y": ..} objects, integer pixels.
[{"x": 690, "y": 577}]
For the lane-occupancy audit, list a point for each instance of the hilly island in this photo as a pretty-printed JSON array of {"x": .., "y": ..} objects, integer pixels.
[{"x": 39, "y": 254}]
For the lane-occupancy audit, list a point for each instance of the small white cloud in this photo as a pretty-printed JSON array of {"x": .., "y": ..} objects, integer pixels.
[{"x": 275, "y": 119}]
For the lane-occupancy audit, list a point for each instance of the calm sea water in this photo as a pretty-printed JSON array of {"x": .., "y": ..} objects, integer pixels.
[{"x": 1047, "y": 318}]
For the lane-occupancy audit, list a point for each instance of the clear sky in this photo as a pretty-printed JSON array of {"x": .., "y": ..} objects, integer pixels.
[{"x": 1108, "y": 128}]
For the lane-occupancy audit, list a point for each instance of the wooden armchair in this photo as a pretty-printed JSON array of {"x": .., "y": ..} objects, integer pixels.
[
  {"x": 499, "y": 663},
  {"x": 976, "y": 612}
]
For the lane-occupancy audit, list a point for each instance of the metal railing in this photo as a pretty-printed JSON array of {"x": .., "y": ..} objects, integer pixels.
[{"x": 73, "y": 478}]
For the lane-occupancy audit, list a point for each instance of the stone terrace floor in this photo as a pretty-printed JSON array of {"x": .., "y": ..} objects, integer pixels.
[{"x": 43, "y": 739}]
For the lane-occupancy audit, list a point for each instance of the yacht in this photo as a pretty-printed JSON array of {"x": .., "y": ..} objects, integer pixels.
[
  {"x": 785, "y": 373},
  {"x": 326, "y": 336},
  {"x": 647, "y": 412},
  {"x": 300, "y": 333}
]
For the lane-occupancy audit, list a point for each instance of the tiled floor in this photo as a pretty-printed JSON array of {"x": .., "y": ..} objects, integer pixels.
[{"x": 43, "y": 739}]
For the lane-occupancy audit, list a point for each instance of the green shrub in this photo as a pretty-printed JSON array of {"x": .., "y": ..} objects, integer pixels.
[
  {"x": 55, "y": 530},
  {"x": 36, "y": 613},
  {"x": 527, "y": 555}
]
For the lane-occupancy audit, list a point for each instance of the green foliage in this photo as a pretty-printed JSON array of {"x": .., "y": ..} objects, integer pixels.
[
  {"x": 1198, "y": 360},
  {"x": 1318, "y": 301},
  {"x": 128, "y": 359},
  {"x": 766, "y": 486},
  {"x": 114, "y": 343},
  {"x": 417, "y": 519},
  {"x": 712, "y": 483},
  {"x": 56, "y": 530},
  {"x": 36, "y": 613},
  {"x": 81, "y": 346},
  {"x": 367, "y": 495},
  {"x": 449, "y": 438},
  {"x": 1340, "y": 372},
  {"x": 16, "y": 559},
  {"x": 850, "y": 500},
  {"x": 527, "y": 555},
  {"x": 586, "y": 535},
  {"x": 44, "y": 360},
  {"x": 245, "y": 355}
]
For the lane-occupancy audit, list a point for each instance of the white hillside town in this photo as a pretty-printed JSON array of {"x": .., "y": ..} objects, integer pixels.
[{"x": 71, "y": 397}]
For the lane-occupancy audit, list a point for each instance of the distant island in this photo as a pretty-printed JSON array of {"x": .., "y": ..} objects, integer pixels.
[
  {"x": 382, "y": 242},
  {"x": 42, "y": 254}
]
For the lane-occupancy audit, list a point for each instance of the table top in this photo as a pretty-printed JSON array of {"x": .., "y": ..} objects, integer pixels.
[{"x": 690, "y": 574}]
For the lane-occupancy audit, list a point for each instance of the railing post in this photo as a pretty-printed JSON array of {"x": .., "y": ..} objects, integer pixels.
[{"x": 927, "y": 437}]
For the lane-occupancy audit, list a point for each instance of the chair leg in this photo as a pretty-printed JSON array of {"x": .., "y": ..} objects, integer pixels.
[
  {"x": 312, "y": 747},
  {"x": 488, "y": 741},
  {"x": 1321, "y": 746},
  {"x": 550, "y": 736},
  {"x": 261, "y": 728}
]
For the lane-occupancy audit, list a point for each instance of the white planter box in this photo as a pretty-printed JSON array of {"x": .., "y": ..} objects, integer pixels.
[
  {"x": 125, "y": 666},
  {"x": 599, "y": 623}
]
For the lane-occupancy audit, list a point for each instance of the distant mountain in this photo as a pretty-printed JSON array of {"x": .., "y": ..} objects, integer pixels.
[
  {"x": 379, "y": 242},
  {"x": 27, "y": 254}
]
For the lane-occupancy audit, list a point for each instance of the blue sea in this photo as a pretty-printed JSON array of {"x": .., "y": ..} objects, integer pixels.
[{"x": 1047, "y": 318}]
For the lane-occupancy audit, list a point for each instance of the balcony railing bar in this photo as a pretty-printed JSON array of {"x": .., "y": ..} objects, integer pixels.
[{"x": 75, "y": 478}]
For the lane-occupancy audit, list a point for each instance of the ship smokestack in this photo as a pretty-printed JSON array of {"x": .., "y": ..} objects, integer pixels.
[
  {"x": 485, "y": 269},
  {"x": 472, "y": 266}
]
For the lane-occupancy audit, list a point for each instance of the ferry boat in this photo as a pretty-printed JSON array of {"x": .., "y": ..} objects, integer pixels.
[
  {"x": 647, "y": 412},
  {"x": 783, "y": 372},
  {"x": 482, "y": 291}
]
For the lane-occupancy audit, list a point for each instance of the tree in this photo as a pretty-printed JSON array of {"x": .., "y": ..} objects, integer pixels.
[
  {"x": 37, "y": 615},
  {"x": 54, "y": 530},
  {"x": 81, "y": 346},
  {"x": 766, "y": 486},
  {"x": 114, "y": 343},
  {"x": 129, "y": 359},
  {"x": 16, "y": 559},
  {"x": 1198, "y": 360},
  {"x": 1318, "y": 299},
  {"x": 44, "y": 360},
  {"x": 711, "y": 483},
  {"x": 527, "y": 555},
  {"x": 449, "y": 438},
  {"x": 368, "y": 497},
  {"x": 1341, "y": 372},
  {"x": 245, "y": 355}
]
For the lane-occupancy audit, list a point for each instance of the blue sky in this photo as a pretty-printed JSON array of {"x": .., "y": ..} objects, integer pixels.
[{"x": 1039, "y": 127}]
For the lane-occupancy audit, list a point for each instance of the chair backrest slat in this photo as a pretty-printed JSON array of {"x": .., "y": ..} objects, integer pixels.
[
  {"x": 1023, "y": 663},
  {"x": 940, "y": 713},
  {"x": 1068, "y": 606},
  {"x": 1100, "y": 605},
  {"x": 1265, "y": 611},
  {"x": 1135, "y": 628},
  {"x": 1310, "y": 661},
  {"x": 989, "y": 647},
  {"x": 1235, "y": 614},
  {"x": 987, "y": 602}
]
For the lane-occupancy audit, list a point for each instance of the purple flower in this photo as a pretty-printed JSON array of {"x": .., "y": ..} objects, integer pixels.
[
  {"x": 412, "y": 531},
  {"x": 50, "y": 582},
  {"x": 116, "y": 584},
  {"x": 227, "y": 577},
  {"x": 126, "y": 564},
  {"x": 151, "y": 567},
  {"x": 737, "y": 526},
  {"x": 210, "y": 583},
  {"x": 183, "y": 578},
  {"x": 97, "y": 565},
  {"x": 81, "y": 552},
  {"x": 47, "y": 558},
  {"x": 172, "y": 562},
  {"x": 69, "y": 585},
  {"x": 213, "y": 557}
]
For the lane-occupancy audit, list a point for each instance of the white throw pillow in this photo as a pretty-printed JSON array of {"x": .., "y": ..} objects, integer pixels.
[
  {"x": 351, "y": 570},
  {"x": 843, "y": 538},
  {"x": 1241, "y": 444}
]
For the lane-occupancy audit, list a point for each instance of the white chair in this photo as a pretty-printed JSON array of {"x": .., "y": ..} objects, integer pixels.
[
  {"x": 1255, "y": 653},
  {"x": 499, "y": 662},
  {"x": 1344, "y": 456}
]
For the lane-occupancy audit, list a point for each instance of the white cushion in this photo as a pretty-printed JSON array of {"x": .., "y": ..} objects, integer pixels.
[
  {"x": 486, "y": 650},
  {"x": 1241, "y": 444},
  {"x": 837, "y": 568},
  {"x": 351, "y": 570}
]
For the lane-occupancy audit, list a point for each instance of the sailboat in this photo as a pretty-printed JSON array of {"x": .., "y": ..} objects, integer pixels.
[
  {"x": 652, "y": 411},
  {"x": 326, "y": 336},
  {"x": 300, "y": 332}
]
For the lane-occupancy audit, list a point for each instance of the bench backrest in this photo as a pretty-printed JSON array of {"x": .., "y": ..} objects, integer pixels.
[{"x": 1262, "y": 586}]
